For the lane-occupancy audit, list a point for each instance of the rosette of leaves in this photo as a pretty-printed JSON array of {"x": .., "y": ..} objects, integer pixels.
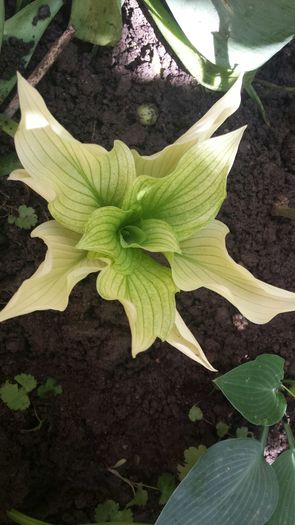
[{"x": 115, "y": 211}]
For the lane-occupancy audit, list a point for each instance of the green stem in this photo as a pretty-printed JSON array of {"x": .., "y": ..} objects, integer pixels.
[
  {"x": 276, "y": 87},
  {"x": 263, "y": 438},
  {"x": 8, "y": 125},
  {"x": 287, "y": 390},
  {"x": 290, "y": 436},
  {"x": 284, "y": 211}
]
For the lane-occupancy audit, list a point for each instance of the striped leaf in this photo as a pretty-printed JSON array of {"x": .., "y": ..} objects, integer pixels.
[
  {"x": 284, "y": 468},
  {"x": 51, "y": 284},
  {"x": 191, "y": 196},
  {"x": 205, "y": 262},
  {"x": 162, "y": 163},
  {"x": 146, "y": 290},
  {"x": 254, "y": 389},
  {"x": 79, "y": 178},
  {"x": 231, "y": 484}
]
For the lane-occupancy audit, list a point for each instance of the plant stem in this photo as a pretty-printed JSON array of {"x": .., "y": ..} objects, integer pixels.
[
  {"x": 283, "y": 211},
  {"x": 42, "y": 68},
  {"x": 263, "y": 438},
  {"x": 289, "y": 391},
  {"x": 276, "y": 87},
  {"x": 290, "y": 436}
]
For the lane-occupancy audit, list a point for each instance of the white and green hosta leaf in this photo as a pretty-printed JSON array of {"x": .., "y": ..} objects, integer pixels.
[
  {"x": 118, "y": 214},
  {"x": 205, "y": 262},
  {"x": 50, "y": 286},
  {"x": 164, "y": 162}
]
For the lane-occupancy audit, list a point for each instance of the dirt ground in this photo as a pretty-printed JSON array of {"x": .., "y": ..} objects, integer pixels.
[{"x": 113, "y": 406}]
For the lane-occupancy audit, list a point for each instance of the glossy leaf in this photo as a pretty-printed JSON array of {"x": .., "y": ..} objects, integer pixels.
[
  {"x": 20, "y": 26},
  {"x": 231, "y": 484},
  {"x": 254, "y": 389}
]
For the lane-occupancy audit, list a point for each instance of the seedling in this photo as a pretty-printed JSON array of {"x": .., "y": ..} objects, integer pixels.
[
  {"x": 26, "y": 218},
  {"x": 191, "y": 457},
  {"x": 109, "y": 511},
  {"x": 166, "y": 484},
  {"x": 16, "y": 395},
  {"x": 195, "y": 414}
]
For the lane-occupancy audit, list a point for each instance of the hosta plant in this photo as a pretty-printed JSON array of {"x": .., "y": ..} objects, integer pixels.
[{"x": 145, "y": 223}]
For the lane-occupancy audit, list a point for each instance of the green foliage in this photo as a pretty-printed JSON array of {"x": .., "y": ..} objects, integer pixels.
[
  {"x": 109, "y": 511},
  {"x": 9, "y": 162},
  {"x": 26, "y": 218},
  {"x": 230, "y": 484},
  {"x": 140, "y": 498},
  {"x": 284, "y": 467},
  {"x": 195, "y": 414},
  {"x": 191, "y": 457},
  {"x": 243, "y": 432},
  {"x": 217, "y": 40},
  {"x": 222, "y": 429},
  {"x": 254, "y": 389},
  {"x": 167, "y": 484},
  {"x": 20, "y": 26},
  {"x": 15, "y": 396},
  {"x": 49, "y": 387}
]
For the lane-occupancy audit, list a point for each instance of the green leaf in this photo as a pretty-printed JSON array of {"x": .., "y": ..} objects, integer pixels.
[
  {"x": 140, "y": 498},
  {"x": 233, "y": 34},
  {"x": 222, "y": 429},
  {"x": 195, "y": 414},
  {"x": 27, "y": 381},
  {"x": 231, "y": 484},
  {"x": 14, "y": 397},
  {"x": 191, "y": 196},
  {"x": 109, "y": 512},
  {"x": 191, "y": 457},
  {"x": 27, "y": 217},
  {"x": 243, "y": 432},
  {"x": 167, "y": 484},
  {"x": 50, "y": 387},
  {"x": 254, "y": 389},
  {"x": 7, "y": 125},
  {"x": 207, "y": 73},
  {"x": 284, "y": 467},
  {"x": 99, "y": 23},
  {"x": 20, "y": 26}
]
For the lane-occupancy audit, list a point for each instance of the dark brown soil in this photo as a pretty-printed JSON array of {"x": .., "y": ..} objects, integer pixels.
[
  {"x": 112, "y": 406},
  {"x": 11, "y": 59}
]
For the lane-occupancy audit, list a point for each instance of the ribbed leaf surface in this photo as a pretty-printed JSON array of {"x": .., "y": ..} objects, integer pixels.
[
  {"x": 284, "y": 468},
  {"x": 232, "y": 484},
  {"x": 253, "y": 389}
]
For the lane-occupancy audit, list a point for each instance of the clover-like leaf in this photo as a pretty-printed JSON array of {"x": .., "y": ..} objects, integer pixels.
[
  {"x": 230, "y": 484},
  {"x": 254, "y": 389},
  {"x": 191, "y": 456},
  {"x": 166, "y": 484},
  {"x": 27, "y": 381},
  {"x": 14, "y": 397}
]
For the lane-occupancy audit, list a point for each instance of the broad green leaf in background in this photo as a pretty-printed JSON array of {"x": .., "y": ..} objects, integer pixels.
[
  {"x": 253, "y": 389},
  {"x": 21, "y": 27},
  {"x": 230, "y": 35},
  {"x": 284, "y": 468},
  {"x": 231, "y": 484},
  {"x": 97, "y": 22}
]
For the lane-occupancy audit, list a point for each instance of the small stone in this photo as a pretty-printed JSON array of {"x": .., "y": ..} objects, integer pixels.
[{"x": 240, "y": 322}]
